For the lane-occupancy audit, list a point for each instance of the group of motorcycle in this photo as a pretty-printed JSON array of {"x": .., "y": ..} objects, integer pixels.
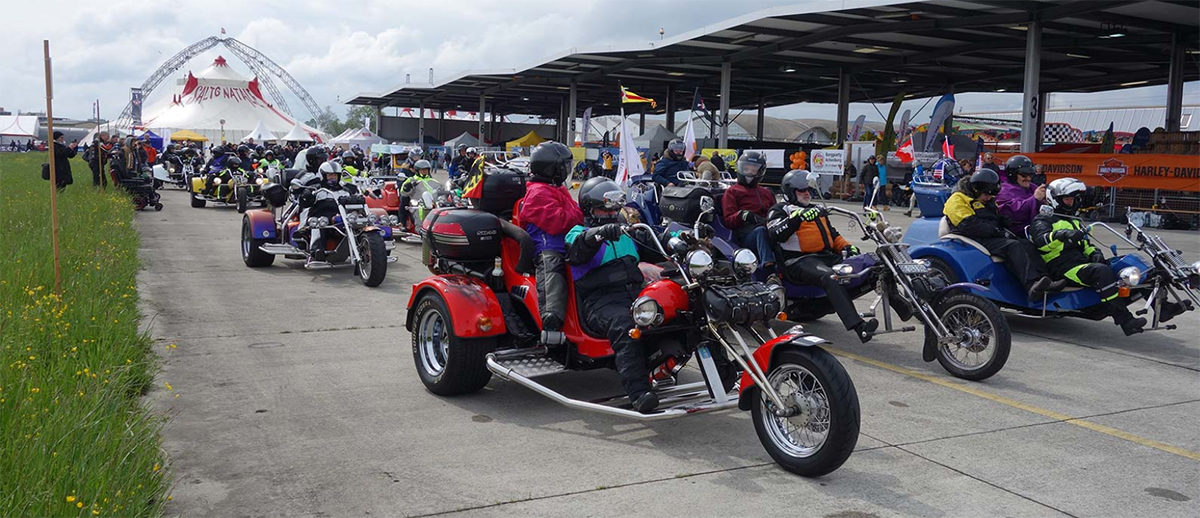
[{"x": 707, "y": 303}]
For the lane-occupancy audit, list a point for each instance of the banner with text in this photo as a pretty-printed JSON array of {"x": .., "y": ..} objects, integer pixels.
[
  {"x": 1149, "y": 171},
  {"x": 828, "y": 161}
]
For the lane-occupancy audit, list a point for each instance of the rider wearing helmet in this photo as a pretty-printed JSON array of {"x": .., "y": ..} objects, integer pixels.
[
  {"x": 604, "y": 265},
  {"x": 423, "y": 175},
  {"x": 313, "y": 158},
  {"x": 351, "y": 164},
  {"x": 320, "y": 199},
  {"x": 1070, "y": 254},
  {"x": 547, "y": 212},
  {"x": 810, "y": 246},
  {"x": 972, "y": 213},
  {"x": 456, "y": 163},
  {"x": 744, "y": 208},
  {"x": 1019, "y": 199},
  {"x": 672, "y": 162},
  {"x": 269, "y": 161}
]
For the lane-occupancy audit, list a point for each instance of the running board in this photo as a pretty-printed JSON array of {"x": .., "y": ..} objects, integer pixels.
[
  {"x": 280, "y": 249},
  {"x": 675, "y": 402}
]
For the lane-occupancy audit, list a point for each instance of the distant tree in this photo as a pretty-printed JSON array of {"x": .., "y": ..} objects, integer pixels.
[
  {"x": 356, "y": 114},
  {"x": 328, "y": 122}
]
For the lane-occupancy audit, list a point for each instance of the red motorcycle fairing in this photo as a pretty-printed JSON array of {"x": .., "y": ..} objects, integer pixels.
[
  {"x": 390, "y": 201},
  {"x": 474, "y": 310},
  {"x": 669, "y": 295},
  {"x": 765, "y": 355}
]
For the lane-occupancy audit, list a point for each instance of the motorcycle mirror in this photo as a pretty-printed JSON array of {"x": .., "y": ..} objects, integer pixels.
[
  {"x": 706, "y": 203},
  {"x": 677, "y": 246}
]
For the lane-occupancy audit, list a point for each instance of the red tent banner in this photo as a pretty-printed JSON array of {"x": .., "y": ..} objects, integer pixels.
[{"x": 1148, "y": 171}]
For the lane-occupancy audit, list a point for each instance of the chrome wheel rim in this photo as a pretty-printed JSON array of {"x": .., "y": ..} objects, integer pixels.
[
  {"x": 245, "y": 242},
  {"x": 364, "y": 258},
  {"x": 802, "y": 434},
  {"x": 433, "y": 344},
  {"x": 971, "y": 337}
]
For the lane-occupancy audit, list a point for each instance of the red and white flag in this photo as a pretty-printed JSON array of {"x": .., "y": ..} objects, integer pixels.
[
  {"x": 905, "y": 152},
  {"x": 947, "y": 148}
]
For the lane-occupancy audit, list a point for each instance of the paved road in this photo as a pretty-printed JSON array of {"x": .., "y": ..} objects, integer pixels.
[{"x": 294, "y": 393}]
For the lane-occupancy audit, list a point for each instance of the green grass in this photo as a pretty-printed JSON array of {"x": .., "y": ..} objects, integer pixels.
[{"x": 75, "y": 439}]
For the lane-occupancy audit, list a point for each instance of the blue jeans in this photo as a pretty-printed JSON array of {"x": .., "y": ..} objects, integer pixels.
[
  {"x": 758, "y": 241},
  {"x": 868, "y": 190}
]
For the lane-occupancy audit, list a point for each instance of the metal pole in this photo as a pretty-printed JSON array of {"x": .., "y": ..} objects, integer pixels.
[
  {"x": 726, "y": 77},
  {"x": 1175, "y": 83},
  {"x": 843, "y": 107},
  {"x": 53, "y": 172},
  {"x": 669, "y": 104},
  {"x": 761, "y": 116},
  {"x": 642, "y": 122},
  {"x": 421, "y": 125},
  {"x": 1040, "y": 133},
  {"x": 572, "y": 110},
  {"x": 442, "y": 125},
  {"x": 1031, "y": 108},
  {"x": 481, "y": 107}
]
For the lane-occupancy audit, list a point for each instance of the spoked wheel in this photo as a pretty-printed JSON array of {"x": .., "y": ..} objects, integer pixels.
[
  {"x": 979, "y": 340},
  {"x": 818, "y": 430},
  {"x": 372, "y": 263},
  {"x": 446, "y": 364}
]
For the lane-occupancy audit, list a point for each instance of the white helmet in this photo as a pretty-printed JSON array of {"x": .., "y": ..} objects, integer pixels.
[
  {"x": 415, "y": 152},
  {"x": 1062, "y": 188},
  {"x": 328, "y": 168}
]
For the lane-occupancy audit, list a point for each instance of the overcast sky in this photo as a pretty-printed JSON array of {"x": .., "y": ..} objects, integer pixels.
[{"x": 338, "y": 49}]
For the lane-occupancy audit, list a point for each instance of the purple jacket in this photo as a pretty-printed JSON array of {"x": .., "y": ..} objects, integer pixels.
[{"x": 1018, "y": 205}]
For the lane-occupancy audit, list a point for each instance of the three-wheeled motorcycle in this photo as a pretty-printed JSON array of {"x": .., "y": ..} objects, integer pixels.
[{"x": 477, "y": 316}]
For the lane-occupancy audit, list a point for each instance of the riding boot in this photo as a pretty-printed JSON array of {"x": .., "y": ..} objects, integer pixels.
[
  {"x": 1124, "y": 318},
  {"x": 552, "y": 294},
  {"x": 316, "y": 247}
]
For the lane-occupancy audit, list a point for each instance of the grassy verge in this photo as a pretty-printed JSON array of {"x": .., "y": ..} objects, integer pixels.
[{"x": 76, "y": 440}]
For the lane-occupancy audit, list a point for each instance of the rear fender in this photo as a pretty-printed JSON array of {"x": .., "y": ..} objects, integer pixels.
[
  {"x": 968, "y": 287},
  {"x": 765, "y": 355},
  {"x": 472, "y": 305},
  {"x": 262, "y": 224}
]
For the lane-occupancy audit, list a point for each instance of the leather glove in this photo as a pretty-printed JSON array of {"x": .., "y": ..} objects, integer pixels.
[
  {"x": 750, "y": 217},
  {"x": 809, "y": 214},
  {"x": 1068, "y": 236},
  {"x": 608, "y": 232},
  {"x": 706, "y": 231},
  {"x": 1097, "y": 257},
  {"x": 850, "y": 250}
]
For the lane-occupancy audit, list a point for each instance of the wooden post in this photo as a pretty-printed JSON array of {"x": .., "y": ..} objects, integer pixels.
[{"x": 53, "y": 173}]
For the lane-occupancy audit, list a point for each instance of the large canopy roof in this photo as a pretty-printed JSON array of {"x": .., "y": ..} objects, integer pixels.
[{"x": 783, "y": 56}]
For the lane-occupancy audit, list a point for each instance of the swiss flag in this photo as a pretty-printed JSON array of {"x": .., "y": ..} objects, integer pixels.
[{"x": 905, "y": 152}]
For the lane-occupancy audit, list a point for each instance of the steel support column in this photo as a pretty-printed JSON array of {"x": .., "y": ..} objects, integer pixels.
[
  {"x": 378, "y": 120},
  {"x": 481, "y": 135},
  {"x": 421, "y": 125},
  {"x": 1031, "y": 108},
  {"x": 1043, "y": 103},
  {"x": 441, "y": 133},
  {"x": 843, "y": 107},
  {"x": 726, "y": 77},
  {"x": 670, "y": 105},
  {"x": 641, "y": 123},
  {"x": 1175, "y": 83},
  {"x": 762, "y": 110},
  {"x": 573, "y": 110}
]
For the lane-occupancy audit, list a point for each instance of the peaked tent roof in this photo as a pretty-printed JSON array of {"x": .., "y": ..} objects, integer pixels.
[
  {"x": 219, "y": 103},
  {"x": 362, "y": 137},
  {"x": 299, "y": 133},
  {"x": 259, "y": 134},
  {"x": 188, "y": 135},
  {"x": 465, "y": 138},
  {"x": 19, "y": 125},
  {"x": 653, "y": 139},
  {"x": 528, "y": 139}
]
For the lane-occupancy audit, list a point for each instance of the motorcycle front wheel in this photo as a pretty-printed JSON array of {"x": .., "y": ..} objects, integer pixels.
[
  {"x": 242, "y": 198},
  {"x": 372, "y": 259},
  {"x": 981, "y": 337},
  {"x": 822, "y": 428}
]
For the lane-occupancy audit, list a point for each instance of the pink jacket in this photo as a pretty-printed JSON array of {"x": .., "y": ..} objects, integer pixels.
[{"x": 547, "y": 212}]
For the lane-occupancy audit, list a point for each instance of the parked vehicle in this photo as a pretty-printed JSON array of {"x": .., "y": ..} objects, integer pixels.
[{"x": 477, "y": 316}]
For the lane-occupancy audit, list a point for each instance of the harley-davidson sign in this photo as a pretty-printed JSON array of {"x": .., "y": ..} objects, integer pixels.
[{"x": 1112, "y": 170}]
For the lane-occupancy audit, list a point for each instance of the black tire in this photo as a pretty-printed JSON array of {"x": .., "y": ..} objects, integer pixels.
[
  {"x": 251, "y": 255},
  {"x": 842, "y": 407},
  {"x": 942, "y": 266},
  {"x": 241, "y": 198},
  {"x": 158, "y": 184},
  {"x": 446, "y": 364},
  {"x": 158, "y": 207},
  {"x": 372, "y": 266},
  {"x": 198, "y": 203},
  {"x": 973, "y": 317}
]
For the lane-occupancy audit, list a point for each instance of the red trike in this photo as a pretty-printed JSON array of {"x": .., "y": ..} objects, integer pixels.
[{"x": 477, "y": 316}]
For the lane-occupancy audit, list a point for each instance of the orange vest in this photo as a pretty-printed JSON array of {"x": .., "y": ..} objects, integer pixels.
[{"x": 814, "y": 236}]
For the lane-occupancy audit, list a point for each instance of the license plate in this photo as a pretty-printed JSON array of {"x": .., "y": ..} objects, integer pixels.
[{"x": 912, "y": 268}]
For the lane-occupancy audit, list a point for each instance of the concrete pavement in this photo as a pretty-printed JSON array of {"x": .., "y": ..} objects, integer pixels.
[{"x": 297, "y": 396}]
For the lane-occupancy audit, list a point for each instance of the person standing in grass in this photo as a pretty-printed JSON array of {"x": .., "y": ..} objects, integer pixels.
[{"x": 62, "y": 161}]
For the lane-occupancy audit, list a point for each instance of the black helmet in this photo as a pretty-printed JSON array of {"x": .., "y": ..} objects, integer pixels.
[
  {"x": 243, "y": 149},
  {"x": 951, "y": 170},
  {"x": 794, "y": 180},
  {"x": 550, "y": 163},
  {"x": 675, "y": 149},
  {"x": 600, "y": 193},
  {"x": 269, "y": 153},
  {"x": 984, "y": 181},
  {"x": 233, "y": 162},
  {"x": 1018, "y": 164},
  {"x": 750, "y": 168},
  {"x": 315, "y": 157},
  {"x": 253, "y": 156}
]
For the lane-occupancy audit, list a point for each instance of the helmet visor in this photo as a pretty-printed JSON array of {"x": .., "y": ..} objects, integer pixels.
[
  {"x": 750, "y": 169},
  {"x": 614, "y": 200}
]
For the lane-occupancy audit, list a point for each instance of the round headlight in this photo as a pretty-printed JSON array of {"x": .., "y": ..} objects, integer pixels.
[
  {"x": 1196, "y": 266},
  {"x": 260, "y": 181},
  {"x": 352, "y": 218},
  {"x": 843, "y": 269},
  {"x": 646, "y": 312},
  {"x": 1130, "y": 276},
  {"x": 699, "y": 262},
  {"x": 744, "y": 261},
  {"x": 312, "y": 222},
  {"x": 780, "y": 295},
  {"x": 322, "y": 221},
  {"x": 216, "y": 181},
  {"x": 893, "y": 234}
]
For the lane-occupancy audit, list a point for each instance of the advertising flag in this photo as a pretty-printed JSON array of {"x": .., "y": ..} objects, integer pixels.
[
  {"x": 941, "y": 111},
  {"x": 630, "y": 164},
  {"x": 689, "y": 139},
  {"x": 587, "y": 125}
]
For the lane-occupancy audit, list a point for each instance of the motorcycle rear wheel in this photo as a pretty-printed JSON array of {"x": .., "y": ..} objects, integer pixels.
[
  {"x": 446, "y": 364},
  {"x": 197, "y": 202},
  {"x": 980, "y": 328},
  {"x": 251, "y": 254},
  {"x": 820, "y": 438},
  {"x": 372, "y": 264}
]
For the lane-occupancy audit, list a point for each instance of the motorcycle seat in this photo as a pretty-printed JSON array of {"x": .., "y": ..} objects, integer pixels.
[{"x": 944, "y": 232}]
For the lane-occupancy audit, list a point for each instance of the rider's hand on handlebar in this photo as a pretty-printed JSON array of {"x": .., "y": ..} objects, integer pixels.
[
  {"x": 809, "y": 214},
  {"x": 850, "y": 251},
  {"x": 609, "y": 232},
  {"x": 1069, "y": 236}
]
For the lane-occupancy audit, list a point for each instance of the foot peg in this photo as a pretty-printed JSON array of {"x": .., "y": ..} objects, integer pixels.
[{"x": 553, "y": 338}]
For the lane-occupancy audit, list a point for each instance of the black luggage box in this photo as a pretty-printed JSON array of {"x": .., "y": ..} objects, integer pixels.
[
  {"x": 682, "y": 204},
  {"x": 460, "y": 234}
]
